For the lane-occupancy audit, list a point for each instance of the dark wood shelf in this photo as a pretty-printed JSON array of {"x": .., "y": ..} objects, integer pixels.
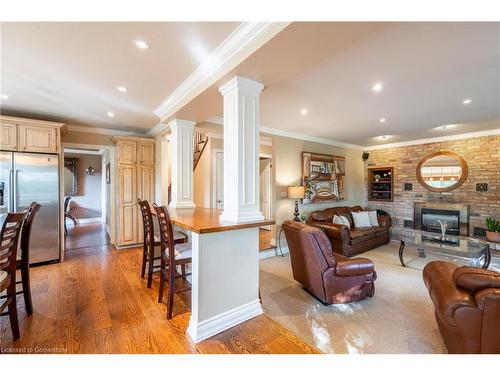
[{"x": 376, "y": 195}]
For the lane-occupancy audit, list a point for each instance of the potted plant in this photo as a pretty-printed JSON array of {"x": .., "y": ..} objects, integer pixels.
[{"x": 493, "y": 231}]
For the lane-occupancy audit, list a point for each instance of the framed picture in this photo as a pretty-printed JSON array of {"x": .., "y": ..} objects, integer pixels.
[
  {"x": 108, "y": 173},
  {"x": 323, "y": 177}
]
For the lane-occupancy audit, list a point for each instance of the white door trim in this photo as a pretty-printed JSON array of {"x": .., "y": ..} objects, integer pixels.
[{"x": 215, "y": 151}]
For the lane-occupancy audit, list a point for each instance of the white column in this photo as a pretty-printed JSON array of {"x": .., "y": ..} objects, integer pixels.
[
  {"x": 241, "y": 150},
  {"x": 181, "y": 143}
]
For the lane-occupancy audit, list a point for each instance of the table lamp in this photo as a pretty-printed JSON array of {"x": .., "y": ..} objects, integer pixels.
[{"x": 296, "y": 192}]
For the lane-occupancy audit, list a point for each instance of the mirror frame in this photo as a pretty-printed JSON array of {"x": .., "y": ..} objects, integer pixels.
[
  {"x": 461, "y": 180},
  {"x": 72, "y": 165}
]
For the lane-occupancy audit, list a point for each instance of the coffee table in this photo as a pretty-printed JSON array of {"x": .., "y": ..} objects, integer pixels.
[{"x": 456, "y": 247}]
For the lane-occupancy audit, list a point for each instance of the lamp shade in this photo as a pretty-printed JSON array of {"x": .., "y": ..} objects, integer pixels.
[{"x": 296, "y": 192}]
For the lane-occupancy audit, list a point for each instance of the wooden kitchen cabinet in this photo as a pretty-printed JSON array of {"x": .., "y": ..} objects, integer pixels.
[
  {"x": 8, "y": 136},
  {"x": 136, "y": 176}
]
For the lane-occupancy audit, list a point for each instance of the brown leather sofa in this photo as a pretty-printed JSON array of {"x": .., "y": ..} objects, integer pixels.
[
  {"x": 467, "y": 306},
  {"x": 330, "y": 277},
  {"x": 351, "y": 241}
]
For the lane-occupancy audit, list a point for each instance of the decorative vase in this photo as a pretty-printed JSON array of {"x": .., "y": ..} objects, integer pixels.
[{"x": 493, "y": 236}]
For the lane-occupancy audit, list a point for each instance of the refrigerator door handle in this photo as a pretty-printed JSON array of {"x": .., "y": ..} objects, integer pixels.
[
  {"x": 10, "y": 204},
  {"x": 15, "y": 190}
]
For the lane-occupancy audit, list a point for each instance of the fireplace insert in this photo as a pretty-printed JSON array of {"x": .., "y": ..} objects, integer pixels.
[{"x": 430, "y": 219}]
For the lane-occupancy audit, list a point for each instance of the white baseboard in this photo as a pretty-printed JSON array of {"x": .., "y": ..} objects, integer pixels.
[
  {"x": 212, "y": 326},
  {"x": 269, "y": 253}
]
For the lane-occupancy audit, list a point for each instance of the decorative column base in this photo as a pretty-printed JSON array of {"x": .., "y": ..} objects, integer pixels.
[{"x": 182, "y": 205}]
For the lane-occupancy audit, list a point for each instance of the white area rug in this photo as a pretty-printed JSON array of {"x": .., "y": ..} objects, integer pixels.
[{"x": 398, "y": 319}]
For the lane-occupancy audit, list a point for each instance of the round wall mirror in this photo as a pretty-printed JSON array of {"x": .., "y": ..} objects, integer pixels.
[{"x": 442, "y": 171}]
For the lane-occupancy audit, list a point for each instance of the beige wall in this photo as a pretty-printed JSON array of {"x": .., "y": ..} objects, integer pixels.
[{"x": 287, "y": 163}]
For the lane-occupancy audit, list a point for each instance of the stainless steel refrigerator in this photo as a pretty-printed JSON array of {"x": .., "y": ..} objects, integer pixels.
[{"x": 24, "y": 178}]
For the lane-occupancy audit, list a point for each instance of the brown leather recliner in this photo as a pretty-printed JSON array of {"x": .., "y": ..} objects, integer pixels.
[
  {"x": 467, "y": 306},
  {"x": 330, "y": 277},
  {"x": 351, "y": 241}
]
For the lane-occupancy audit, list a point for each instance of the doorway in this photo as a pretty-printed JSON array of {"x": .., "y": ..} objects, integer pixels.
[{"x": 85, "y": 198}]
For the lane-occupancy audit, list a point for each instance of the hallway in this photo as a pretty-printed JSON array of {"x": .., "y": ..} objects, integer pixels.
[{"x": 86, "y": 235}]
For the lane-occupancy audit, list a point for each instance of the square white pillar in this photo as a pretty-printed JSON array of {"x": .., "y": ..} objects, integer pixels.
[
  {"x": 182, "y": 149},
  {"x": 241, "y": 150}
]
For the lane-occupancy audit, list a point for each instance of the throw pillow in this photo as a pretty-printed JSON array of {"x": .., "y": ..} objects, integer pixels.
[
  {"x": 361, "y": 219},
  {"x": 373, "y": 218},
  {"x": 341, "y": 220}
]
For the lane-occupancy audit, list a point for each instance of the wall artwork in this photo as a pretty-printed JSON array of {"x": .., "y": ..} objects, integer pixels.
[{"x": 323, "y": 177}]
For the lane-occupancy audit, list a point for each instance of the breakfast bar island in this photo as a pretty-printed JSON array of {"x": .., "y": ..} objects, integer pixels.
[{"x": 225, "y": 270}]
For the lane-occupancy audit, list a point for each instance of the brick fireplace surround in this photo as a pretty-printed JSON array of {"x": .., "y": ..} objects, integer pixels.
[{"x": 482, "y": 155}]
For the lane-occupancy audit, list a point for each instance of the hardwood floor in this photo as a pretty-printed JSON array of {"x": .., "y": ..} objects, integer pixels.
[
  {"x": 96, "y": 302},
  {"x": 86, "y": 235}
]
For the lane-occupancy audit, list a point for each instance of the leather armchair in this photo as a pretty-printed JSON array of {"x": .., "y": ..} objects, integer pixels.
[
  {"x": 351, "y": 241},
  {"x": 330, "y": 277},
  {"x": 467, "y": 306}
]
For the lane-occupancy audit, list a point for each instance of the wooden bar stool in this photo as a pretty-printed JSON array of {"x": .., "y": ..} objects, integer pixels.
[
  {"x": 9, "y": 236},
  {"x": 172, "y": 255},
  {"x": 23, "y": 264},
  {"x": 151, "y": 241}
]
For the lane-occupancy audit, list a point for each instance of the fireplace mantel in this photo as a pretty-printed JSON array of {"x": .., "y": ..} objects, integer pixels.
[{"x": 448, "y": 206}]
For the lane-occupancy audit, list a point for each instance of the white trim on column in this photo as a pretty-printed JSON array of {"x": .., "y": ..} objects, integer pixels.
[
  {"x": 454, "y": 137},
  {"x": 182, "y": 163},
  {"x": 241, "y": 43},
  {"x": 209, "y": 327}
]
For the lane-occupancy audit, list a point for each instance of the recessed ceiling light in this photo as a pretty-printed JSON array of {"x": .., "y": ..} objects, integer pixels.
[
  {"x": 122, "y": 89},
  {"x": 467, "y": 101},
  {"x": 110, "y": 114},
  {"x": 303, "y": 111},
  {"x": 377, "y": 87},
  {"x": 383, "y": 137},
  {"x": 5, "y": 97},
  {"x": 382, "y": 119},
  {"x": 141, "y": 44}
]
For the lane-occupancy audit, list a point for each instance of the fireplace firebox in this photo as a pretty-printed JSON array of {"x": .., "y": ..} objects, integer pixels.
[
  {"x": 456, "y": 215},
  {"x": 431, "y": 218}
]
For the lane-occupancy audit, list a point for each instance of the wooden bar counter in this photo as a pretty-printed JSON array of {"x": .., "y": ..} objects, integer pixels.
[
  {"x": 206, "y": 220},
  {"x": 225, "y": 270}
]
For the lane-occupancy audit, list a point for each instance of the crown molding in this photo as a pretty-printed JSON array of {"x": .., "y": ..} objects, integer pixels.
[
  {"x": 303, "y": 137},
  {"x": 105, "y": 131},
  {"x": 241, "y": 43},
  {"x": 445, "y": 138},
  {"x": 157, "y": 129},
  {"x": 68, "y": 150}
]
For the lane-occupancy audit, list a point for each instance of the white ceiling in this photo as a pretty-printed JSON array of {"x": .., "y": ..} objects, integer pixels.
[
  {"x": 427, "y": 70},
  {"x": 69, "y": 71}
]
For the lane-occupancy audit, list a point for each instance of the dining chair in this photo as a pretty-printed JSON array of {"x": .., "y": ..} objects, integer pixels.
[
  {"x": 9, "y": 238},
  {"x": 172, "y": 255},
  {"x": 68, "y": 214}
]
